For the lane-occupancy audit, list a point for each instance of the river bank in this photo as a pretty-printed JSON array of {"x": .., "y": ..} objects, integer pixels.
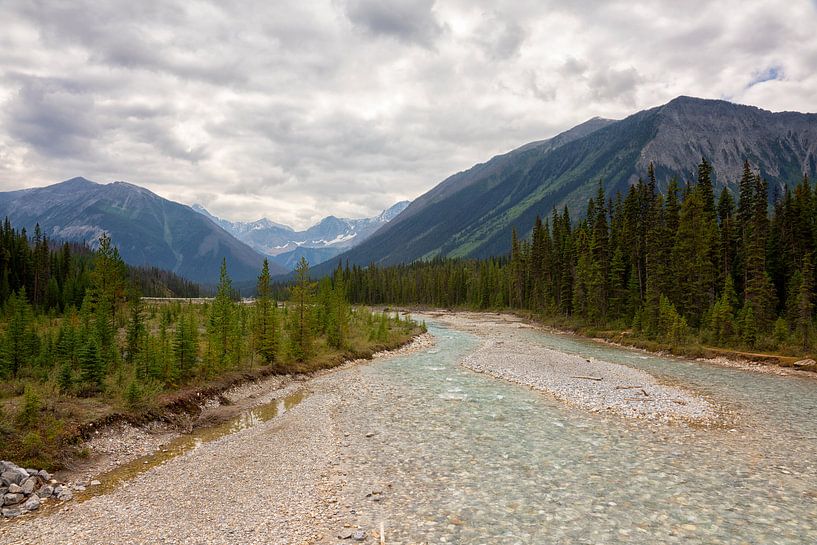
[{"x": 289, "y": 480}]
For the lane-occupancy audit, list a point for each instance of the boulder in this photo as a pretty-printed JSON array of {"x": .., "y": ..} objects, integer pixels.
[
  {"x": 32, "y": 503},
  {"x": 45, "y": 491},
  {"x": 13, "y": 499},
  {"x": 15, "y": 489},
  {"x": 805, "y": 363},
  {"x": 13, "y": 475},
  {"x": 46, "y": 476},
  {"x": 30, "y": 485},
  {"x": 65, "y": 494},
  {"x": 11, "y": 512}
]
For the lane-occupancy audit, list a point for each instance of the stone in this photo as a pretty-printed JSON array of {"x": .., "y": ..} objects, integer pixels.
[
  {"x": 95, "y": 483},
  {"x": 13, "y": 499},
  {"x": 30, "y": 485},
  {"x": 32, "y": 472},
  {"x": 13, "y": 476},
  {"x": 32, "y": 503},
  {"x": 65, "y": 494},
  {"x": 345, "y": 534},
  {"x": 15, "y": 489},
  {"x": 359, "y": 535},
  {"x": 370, "y": 434},
  {"x": 46, "y": 476},
  {"x": 3, "y": 491},
  {"x": 11, "y": 512},
  {"x": 805, "y": 363},
  {"x": 45, "y": 491}
]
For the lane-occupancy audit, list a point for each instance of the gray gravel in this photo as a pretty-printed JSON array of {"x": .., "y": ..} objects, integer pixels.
[
  {"x": 592, "y": 385},
  {"x": 273, "y": 483}
]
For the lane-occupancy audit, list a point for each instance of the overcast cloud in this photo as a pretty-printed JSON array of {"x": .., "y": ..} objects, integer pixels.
[{"x": 297, "y": 110}]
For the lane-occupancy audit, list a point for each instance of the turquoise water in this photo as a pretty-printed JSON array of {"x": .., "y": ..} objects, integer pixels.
[{"x": 476, "y": 460}]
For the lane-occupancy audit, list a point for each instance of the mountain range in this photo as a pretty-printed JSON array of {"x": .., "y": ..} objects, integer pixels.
[
  {"x": 147, "y": 229},
  {"x": 320, "y": 242},
  {"x": 472, "y": 213},
  {"x": 469, "y": 214}
]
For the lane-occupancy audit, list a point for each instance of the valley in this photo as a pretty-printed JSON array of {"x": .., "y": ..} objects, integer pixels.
[
  {"x": 408, "y": 272},
  {"x": 407, "y": 444}
]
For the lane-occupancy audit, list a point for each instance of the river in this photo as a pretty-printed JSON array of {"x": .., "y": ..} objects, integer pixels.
[{"x": 483, "y": 461}]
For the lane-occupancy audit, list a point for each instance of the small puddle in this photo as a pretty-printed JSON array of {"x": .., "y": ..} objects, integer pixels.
[{"x": 191, "y": 441}]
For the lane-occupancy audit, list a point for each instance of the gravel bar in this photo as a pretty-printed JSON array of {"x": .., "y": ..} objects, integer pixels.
[{"x": 593, "y": 385}]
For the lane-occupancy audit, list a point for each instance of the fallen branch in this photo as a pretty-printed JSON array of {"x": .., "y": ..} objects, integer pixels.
[
  {"x": 628, "y": 387},
  {"x": 589, "y": 378}
]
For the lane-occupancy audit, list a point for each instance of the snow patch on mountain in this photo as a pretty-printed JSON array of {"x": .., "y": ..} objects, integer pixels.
[{"x": 331, "y": 235}]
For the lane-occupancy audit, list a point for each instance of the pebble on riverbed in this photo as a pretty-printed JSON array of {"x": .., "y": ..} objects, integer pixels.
[{"x": 24, "y": 490}]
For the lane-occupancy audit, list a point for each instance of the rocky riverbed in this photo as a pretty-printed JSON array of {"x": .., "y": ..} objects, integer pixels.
[
  {"x": 421, "y": 449},
  {"x": 591, "y": 384}
]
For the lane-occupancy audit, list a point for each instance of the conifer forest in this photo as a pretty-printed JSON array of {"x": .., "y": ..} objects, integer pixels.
[
  {"x": 681, "y": 267},
  {"x": 77, "y": 341}
]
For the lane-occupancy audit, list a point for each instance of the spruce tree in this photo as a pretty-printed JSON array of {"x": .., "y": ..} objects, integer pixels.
[
  {"x": 265, "y": 333},
  {"x": 805, "y": 303},
  {"x": 185, "y": 348},
  {"x": 92, "y": 372},
  {"x": 301, "y": 323},
  {"x": 221, "y": 321}
]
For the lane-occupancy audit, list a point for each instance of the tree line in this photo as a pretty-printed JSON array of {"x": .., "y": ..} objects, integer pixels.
[
  {"x": 680, "y": 266},
  {"x": 54, "y": 277}
]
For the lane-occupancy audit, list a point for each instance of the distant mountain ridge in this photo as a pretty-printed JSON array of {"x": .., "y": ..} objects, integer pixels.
[
  {"x": 147, "y": 229},
  {"x": 320, "y": 242},
  {"x": 472, "y": 213}
]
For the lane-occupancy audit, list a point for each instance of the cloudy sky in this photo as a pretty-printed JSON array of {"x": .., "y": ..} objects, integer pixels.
[{"x": 296, "y": 110}]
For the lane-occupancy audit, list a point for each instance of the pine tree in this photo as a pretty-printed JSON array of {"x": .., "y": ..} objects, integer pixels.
[
  {"x": 134, "y": 333},
  {"x": 301, "y": 327},
  {"x": 694, "y": 256},
  {"x": 91, "y": 368},
  {"x": 805, "y": 303},
  {"x": 18, "y": 342},
  {"x": 722, "y": 318},
  {"x": 265, "y": 326},
  {"x": 748, "y": 324},
  {"x": 221, "y": 321},
  {"x": 705, "y": 187},
  {"x": 185, "y": 348},
  {"x": 758, "y": 288}
]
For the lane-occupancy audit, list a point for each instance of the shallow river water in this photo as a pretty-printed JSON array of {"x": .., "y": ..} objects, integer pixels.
[{"x": 476, "y": 460}]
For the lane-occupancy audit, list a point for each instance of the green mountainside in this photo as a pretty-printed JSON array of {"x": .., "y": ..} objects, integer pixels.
[{"x": 472, "y": 213}]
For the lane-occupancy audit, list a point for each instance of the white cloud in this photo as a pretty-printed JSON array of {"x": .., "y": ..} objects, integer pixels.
[{"x": 296, "y": 110}]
